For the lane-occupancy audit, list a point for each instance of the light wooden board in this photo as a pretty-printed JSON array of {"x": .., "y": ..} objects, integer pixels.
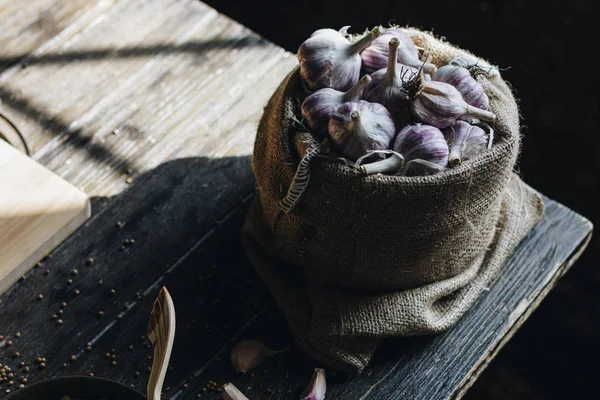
[{"x": 38, "y": 210}]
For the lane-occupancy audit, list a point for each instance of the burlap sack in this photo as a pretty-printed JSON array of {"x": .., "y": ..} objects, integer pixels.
[{"x": 356, "y": 258}]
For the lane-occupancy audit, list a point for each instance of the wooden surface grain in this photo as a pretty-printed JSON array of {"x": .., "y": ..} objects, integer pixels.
[{"x": 151, "y": 106}]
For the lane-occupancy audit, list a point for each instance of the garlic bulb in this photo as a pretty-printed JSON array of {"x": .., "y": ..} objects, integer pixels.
[
  {"x": 466, "y": 141},
  {"x": 358, "y": 127},
  {"x": 459, "y": 77},
  {"x": 375, "y": 57},
  {"x": 320, "y": 106},
  {"x": 423, "y": 142},
  {"x": 328, "y": 59},
  {"x": 386, "y": 84},
  {"x": 440, "y": 104},
  {"x": 418, "y": 148}
]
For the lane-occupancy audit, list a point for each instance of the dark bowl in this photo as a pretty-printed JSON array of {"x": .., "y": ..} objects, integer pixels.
[{"x": 77, "y": 386}]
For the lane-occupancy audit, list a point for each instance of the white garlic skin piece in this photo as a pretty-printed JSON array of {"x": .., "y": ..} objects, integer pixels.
[
  {"x": 316, "y": 386},
  {"x": 328, "y": 60},
  {"x": 358, "y": 127},
  {"x": 386, "y": 84},
  {"x": 466, "y": 141},
  {"x": 440, "y": 104},
  {"x": 422, "y": 142},
  {"x": 375, "y": 57},
  {"x": 472, "y": 92},
  {"x": 320, "y": 106}
]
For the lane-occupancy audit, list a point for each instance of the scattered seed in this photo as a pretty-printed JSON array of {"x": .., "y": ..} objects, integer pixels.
[
  {"x": 100, "y": 282},
  {"x": 26, "y": 369},
  {"x": 89, "y": 261},
  {"x": 74, "y": 272},
  {"x": 40, "y": 297},
  {"x": 119, "y": 316},
  {"x": 129, "y": 180},
  {"x": 60, "y": 312},
  {"x": 63, "y": 305},
  {"x": 69, "y": 282},
  {"x": 59, "y": 322},
  {"x": 113, "y": 356},
  {"x": 9, "y": 342},
  {"x": 21, "y": 386},
  {"x": 21, "y": 364},
  {"x": 119, "y": 224},
  {"x": 91, "y": 374},
  {"x": 16, "y": 354},
  {"x": 113, "y": 363},
  {"x": 73, "y": 358},
  {"x": 10, "y": 383},
  {"x": 64, "y": 366},
  {"x": 113, "y": 292},
  {"x": 88, "y": 348},
  {"x": 42, "y": 365},
  {"x": 76, "y": 292},
  {"x": 130, "y": 347},
  {"x": 137, "y": 373},
  {"x": 18, "y": 334},
  {"x": 100, "y": 314}
]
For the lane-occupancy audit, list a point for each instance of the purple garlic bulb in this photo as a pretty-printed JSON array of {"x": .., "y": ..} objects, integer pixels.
[
  {"x": 466, "y": 141},
  {"x": 422, "y": 142},
  {"x": 358, "y": 127},
  {"x": 441, "y": 104},
  {"x": 386, "y": 84},
  {"x": 328, "y": 60},
  {"x": 320, "y": 106},
  {"x": 375, "y": 57},
  {"x": 459, "y": 77}
]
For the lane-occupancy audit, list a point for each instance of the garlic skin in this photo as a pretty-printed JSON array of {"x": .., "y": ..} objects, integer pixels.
[
  {"x": 386, "y": 84},
  {"x": 459, "y": 77},
  {"x": 422, "y": 142},
  {"x": 328, "y": 60},
  {"x": 230, "y": 392},
  {"x": 375, "y": 57},
  {"x": 248, "y": 354},
  {"x": 440, "y": 104},
  {"x": 316, "y": 387},
  {"x": 358, "y": 127},
  {"x": 320, "y": 106},
  {"x": 466, "y": 141}
]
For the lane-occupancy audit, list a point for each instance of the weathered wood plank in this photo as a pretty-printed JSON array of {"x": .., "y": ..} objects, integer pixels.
[
  {"x": 437, "y": 367},
  {"x": 29, "y": 25},
  {"x": 172, "y": 78}
]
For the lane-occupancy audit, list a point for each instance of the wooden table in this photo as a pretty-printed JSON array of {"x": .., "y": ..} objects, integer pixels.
[{"x": 151, "y": 106}]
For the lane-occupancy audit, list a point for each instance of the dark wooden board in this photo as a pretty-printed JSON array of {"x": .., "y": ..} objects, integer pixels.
[{"x": 185, "y": 218}]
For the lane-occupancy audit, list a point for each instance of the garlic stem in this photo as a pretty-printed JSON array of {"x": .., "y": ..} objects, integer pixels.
[
  {"x": 390, "y": 74},
  {"x": 480, "y": 114},
  {"x": 454, "y": 157},
  {"x": 354, "y": 93},
  {"x": 391, "y": 164},
  {"x": 365, "y": 41}
]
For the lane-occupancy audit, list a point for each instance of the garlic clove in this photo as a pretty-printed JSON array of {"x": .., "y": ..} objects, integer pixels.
[
  {"x": 466, "y": 141},
  {"x": 328, "y": 59},
  {"x": 440, "y": 104},
  {"x": 386, "y": 84},
  {"x": 359, "y": 127},
  {"x": 248, "y": 354},
  {"x": 422, "y": 142},
  {"x": 375, "y": 57},
  {"x": 320, "y": 106},
  {"x": 316, "y": 387},
  {"x": 472, "y": 92},
  {"x": 230, "y": 392}
]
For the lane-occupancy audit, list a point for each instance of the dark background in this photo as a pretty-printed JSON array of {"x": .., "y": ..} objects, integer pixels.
[{"x": 549, "y": 49}]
